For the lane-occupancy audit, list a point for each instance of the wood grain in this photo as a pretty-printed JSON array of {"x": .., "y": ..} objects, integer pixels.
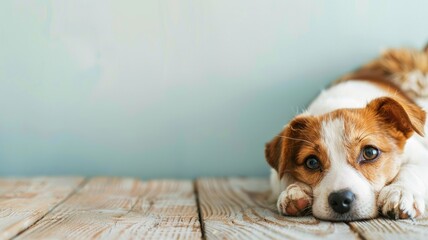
[
  {"x": 381, "y": 228},
  {"x": 118, "y": 208},
  {"x": 237, "y": 208},
  {"x": 24, "y": 201},
  {"x": 123, "y": 208}
]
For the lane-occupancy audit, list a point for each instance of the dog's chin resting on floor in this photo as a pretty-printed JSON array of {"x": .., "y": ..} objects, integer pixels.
[{"x": 359, "y": 150}]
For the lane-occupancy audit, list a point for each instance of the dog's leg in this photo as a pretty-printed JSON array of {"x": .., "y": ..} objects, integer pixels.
[
  {"x": 405, "y": 196},
  {"x": 296, "y": 200},
  {"x": 293, "y": 198}
]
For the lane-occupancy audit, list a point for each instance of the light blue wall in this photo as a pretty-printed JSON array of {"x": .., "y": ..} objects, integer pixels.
[{"x": 169, "y": 88}]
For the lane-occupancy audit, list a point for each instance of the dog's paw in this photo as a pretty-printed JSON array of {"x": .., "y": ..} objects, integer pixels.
[
  {"x": 296, "y": 200},
  {"x": 396, "y": 202}
]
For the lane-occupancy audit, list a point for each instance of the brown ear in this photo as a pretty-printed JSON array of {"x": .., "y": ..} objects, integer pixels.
[
  {"x": 426, "y": 48},
  {"x": 279, "y": 150},
  {"x": 406, "y": 117},
  {"x": 273, "y": 151}
]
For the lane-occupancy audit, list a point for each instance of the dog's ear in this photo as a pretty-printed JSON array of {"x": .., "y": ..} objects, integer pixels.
[
  {"x": 273, "y": 151},
  {"x": 404, "y": 116},
  {"x": 280, "y": 149},
  {"x": 426, "y": 48}
]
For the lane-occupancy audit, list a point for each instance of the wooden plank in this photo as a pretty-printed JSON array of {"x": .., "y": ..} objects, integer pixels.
[
  {"x": 117, "y": 208},
  {"x": 392, "y": 229},
  {"x": 237, "y": 208},
  {"x": 24, "y": 201}
]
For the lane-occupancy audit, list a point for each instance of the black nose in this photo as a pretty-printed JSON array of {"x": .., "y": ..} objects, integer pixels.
[{"x": 341, "y": 201}]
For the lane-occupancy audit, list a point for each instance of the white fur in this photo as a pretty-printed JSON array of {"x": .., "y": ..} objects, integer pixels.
[
  {"x": 341, "y": 175},
  {"x": 416, "y": 82},
  {"x": 408, "y": 192},
  {"x": 350, "y": 94}
]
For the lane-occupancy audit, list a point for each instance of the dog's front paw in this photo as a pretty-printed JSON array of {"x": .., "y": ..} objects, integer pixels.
[
  {"x": 396, "y": 202},
  {"x": 296, "y": 200}
]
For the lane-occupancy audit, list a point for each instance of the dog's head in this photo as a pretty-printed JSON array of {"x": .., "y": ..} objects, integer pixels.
[{"x": 347, "y": 156}]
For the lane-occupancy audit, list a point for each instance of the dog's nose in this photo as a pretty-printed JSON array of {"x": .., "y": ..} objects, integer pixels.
[{"x": 341, "y": 201}]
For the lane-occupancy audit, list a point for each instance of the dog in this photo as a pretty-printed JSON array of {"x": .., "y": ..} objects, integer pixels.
[{"x": 358, "y": 151}]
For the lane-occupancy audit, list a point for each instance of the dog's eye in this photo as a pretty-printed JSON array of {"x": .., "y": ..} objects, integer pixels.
[
  {"x": 370, "y": 153},
  {"x": 312, "y": 163}
]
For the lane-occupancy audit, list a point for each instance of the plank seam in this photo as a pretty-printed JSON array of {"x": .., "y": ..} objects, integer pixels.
[
  {"x": 80, "y": 186},
  {"x": 355, "y": 230},
  {"x": 198, "y": 207}
]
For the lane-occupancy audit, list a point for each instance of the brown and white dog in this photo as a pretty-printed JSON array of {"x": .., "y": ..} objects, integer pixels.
[{"x": 358, "y": 150}]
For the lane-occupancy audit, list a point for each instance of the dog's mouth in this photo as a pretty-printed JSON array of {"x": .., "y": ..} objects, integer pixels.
[
  {"x": 357, "y": 214},
  {"x": 347, "y": 217}
]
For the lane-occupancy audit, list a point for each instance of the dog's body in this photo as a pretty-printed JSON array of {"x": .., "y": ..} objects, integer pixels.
[{"x": 353, "y": 153}]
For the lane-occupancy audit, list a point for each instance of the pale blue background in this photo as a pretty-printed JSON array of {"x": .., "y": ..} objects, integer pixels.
[{"x": 170, "y": 88}]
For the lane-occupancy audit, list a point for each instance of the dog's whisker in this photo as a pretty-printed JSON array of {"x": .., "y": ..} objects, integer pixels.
[{"x": 297, "y": 139}]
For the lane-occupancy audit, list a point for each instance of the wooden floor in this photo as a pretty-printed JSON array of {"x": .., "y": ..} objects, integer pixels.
[{"x": 211, "y": 208}]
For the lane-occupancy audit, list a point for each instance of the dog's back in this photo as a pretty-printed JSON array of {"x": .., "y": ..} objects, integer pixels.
[{"x": 404, "y": 68}]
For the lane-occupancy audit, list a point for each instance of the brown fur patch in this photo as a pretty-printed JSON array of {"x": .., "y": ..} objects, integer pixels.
[
  {"x": 294, "y": 140},
  {"x": 364, "y": 128},
  {"x": 394, "y": 69}
]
